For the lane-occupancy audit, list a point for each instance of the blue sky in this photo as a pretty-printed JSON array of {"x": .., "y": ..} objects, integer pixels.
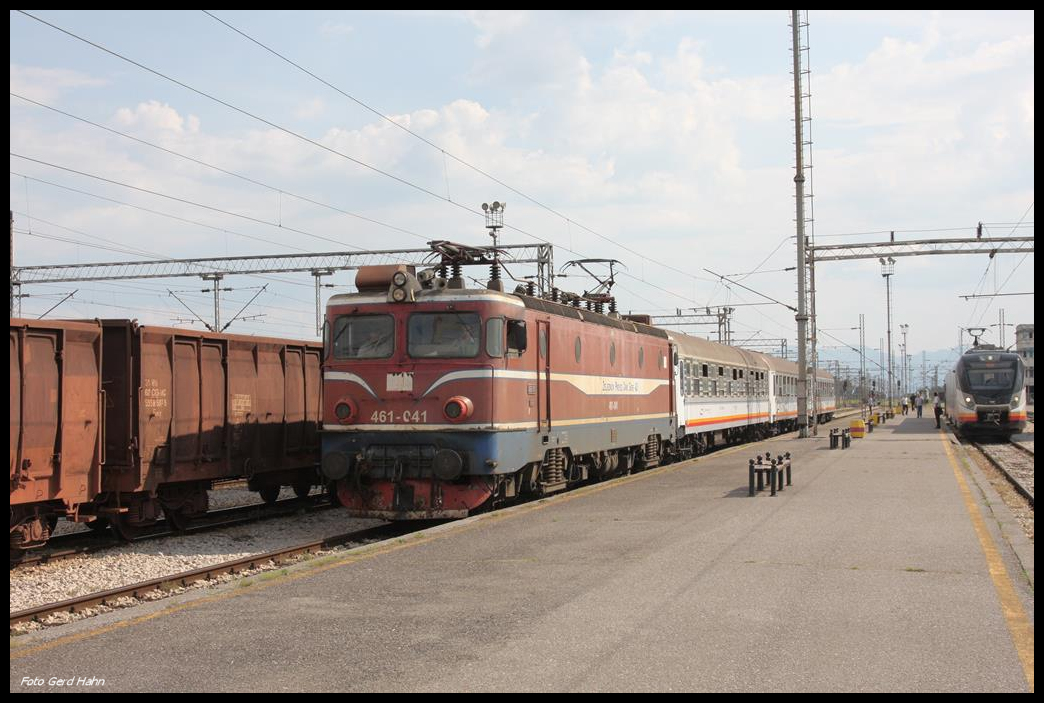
[{"x": 668, "y": 132}]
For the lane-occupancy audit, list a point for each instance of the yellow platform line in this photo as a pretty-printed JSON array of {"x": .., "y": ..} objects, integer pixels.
[{"x": 1014, "y": 614}]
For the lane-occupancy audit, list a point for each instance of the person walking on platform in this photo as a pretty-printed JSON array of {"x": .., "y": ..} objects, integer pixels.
[
  {"x": 938, "y": 411},
  {"x": 906, "y": 405},
  {"x": 920, "y": 404}
]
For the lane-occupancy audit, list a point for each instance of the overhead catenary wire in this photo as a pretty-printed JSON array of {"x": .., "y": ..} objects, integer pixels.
[
  {"x": 334, "y": 151},
  {"x": 445, "y": 153}
]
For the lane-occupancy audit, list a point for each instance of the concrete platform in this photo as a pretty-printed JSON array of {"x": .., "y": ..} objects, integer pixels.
[{"x": 871, "y": 573}]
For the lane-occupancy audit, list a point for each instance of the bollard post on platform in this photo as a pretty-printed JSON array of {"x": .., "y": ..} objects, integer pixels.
[{"x": 772, "y": 477}]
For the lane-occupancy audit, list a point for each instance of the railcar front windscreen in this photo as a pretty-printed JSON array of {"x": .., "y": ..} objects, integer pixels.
[
  {"x": 444, "y": 335},
  {"x": 990, "y": 379},
  {"x": 363, "y": 337}
]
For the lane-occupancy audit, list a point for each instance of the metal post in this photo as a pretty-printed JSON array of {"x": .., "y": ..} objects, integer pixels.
[
  {"x": 905, "y": 367},
  {"x": 862, "y": 366},
  {"x": 887, "y": 269},
  {"x": 318, "y": 274},
  {"x": 799, "y": 185},
  {"x": 216, "y": 278}
]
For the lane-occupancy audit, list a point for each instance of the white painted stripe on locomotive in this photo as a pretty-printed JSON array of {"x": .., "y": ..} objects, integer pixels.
[
  {"x": 425, "y": 297},
  {"x": 589, "y": 385},
  {"x": 499, "y": 426},
  {"x": 346, "y": 376}
]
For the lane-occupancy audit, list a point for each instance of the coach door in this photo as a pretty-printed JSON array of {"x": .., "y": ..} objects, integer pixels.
[{"x": 543, "y": 357}]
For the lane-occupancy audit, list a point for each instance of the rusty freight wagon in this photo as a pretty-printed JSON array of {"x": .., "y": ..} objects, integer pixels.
[
  {"x": 183, "y": 409},
  {"x": 56, "y": 425}
]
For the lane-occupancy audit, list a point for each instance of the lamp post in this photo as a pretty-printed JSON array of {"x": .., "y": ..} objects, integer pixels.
[
  {"x": 887, "y": 270},
  {"x": 904, "y": 375}
]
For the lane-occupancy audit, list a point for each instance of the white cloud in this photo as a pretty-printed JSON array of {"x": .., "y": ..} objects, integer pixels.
[
  {"x": 154, "y": 116},
  {"x": 48, "y": 84}
]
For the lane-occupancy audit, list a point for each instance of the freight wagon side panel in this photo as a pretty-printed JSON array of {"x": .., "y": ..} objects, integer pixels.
[
  {"x": 15, "y": 416},
  {"x": 55, "y": 414},
  {"x": 271, "y": 406},
  {"x": 155, "y": 408},
  {"x": 294, "y": 393},
  {"x": 242, "y": 403},
  {"x": 79, "y": 462},
  {"x": 213, "y": 402},
  {"x": 313, "y": 399},
  {"x": 187, "y": 399}
]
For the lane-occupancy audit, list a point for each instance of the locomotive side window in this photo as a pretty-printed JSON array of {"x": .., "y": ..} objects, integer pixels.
[
  {"x": 542, "y": 342},
  {"x": 516, "y": 337},
  {"x": 441, "y": 335},
  {"x": 641, "y": 357},
  {"x": 495, "y": 336},
  {"x": 363, "y": 337},
  {"x": 612, "y": 353}
]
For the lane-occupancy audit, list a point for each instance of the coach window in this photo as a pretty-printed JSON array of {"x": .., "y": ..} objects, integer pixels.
[
  {"x": 705, "y": 371},
  {"x": 516, "y": 337},
  {"x": 495, "y": 336}
]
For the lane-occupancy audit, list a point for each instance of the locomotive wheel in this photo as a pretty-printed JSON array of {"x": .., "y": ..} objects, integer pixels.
[
  {"x": 269, "y": 494},
  {"x": 302, "y": 489}
]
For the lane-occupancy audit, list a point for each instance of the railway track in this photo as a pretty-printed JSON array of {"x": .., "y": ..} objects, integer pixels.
[
  {"x": 185, "y": 578},
  {"x": 1014, "y": 460},
  {"x": 75, "y": 544}
]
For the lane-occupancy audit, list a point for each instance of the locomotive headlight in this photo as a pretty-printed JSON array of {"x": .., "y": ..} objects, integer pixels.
[
  {"x": 1015, "y": 401},
  {"x": 967, "y": 400},
  {"x": 345, "y": 411},
  {"x": 399, "y": 294},
  {"x": 458, "y": 408},
  {"x": 399, "y": 278}
]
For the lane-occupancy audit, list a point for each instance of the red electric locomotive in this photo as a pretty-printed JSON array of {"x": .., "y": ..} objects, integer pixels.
[{"x": 440, "y": 400}]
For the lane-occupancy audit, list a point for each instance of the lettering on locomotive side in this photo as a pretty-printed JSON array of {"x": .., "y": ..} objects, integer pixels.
[
  {"x": 619, "y": 385},
  {"x": 406, "y": 417}
]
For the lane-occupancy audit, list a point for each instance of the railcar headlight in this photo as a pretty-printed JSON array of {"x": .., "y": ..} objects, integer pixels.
[
  {"x": 1015, "y": 401},
  {"x": 458, "y": 408},
  {"x": 967, "y": 400},
  {"x": 399, "y": 295}
]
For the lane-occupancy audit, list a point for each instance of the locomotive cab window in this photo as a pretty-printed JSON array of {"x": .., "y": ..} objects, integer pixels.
[
  {"x": 442, "y": 335},
  {"x": 516, "y": 337},
  {"x": 363, "y": 337},
  {"x": 495, "y": 336}
]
